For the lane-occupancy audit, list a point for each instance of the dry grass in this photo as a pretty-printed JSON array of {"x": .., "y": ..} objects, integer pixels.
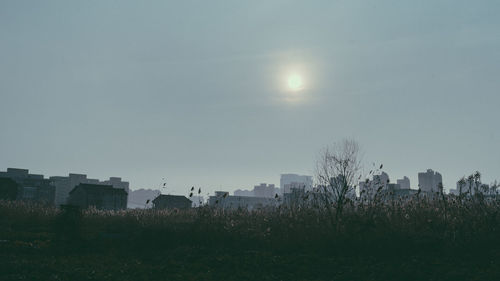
[{"x": 378, "y": 231}]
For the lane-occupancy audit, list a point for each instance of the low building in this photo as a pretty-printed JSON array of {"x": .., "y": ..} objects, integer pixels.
[
  {"x": 171, "y": 202},
  {"x": 102, "y": 197},
  {"x": 223, "y": 200}
]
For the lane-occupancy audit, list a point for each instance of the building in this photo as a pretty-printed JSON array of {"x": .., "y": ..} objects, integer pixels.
[
  {"x": 248, "y": 193},
  {"x": 381, "y": 185},
  {"x": 197, "y": 201},
  {"x": 117, "y": 182},
  {"x": 404, "y": 183},
  {"x": 265, "y": 191},
  {"x": 31, "y": 186},
  {"x": 294, "y": 178},
  {"x": 376, "y": 184},
  {"x": 171, "y": 202},
  {"x": 64, "y": 185},
  {"x": 102, "y": 197},
  {"x": 429, "y": 181},
  {"x": 293, "y": 187},
  {"x": 223, "y": 200}
]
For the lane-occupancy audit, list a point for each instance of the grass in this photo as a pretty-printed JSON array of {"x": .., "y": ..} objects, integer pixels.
[{"x": 417, "y": 239}]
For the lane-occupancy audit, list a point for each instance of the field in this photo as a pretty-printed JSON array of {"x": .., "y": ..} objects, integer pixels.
[{"x": 417, "y": 239}]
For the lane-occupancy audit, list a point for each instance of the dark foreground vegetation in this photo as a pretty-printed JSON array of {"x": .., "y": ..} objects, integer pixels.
[{"x": 419, "y": 239}]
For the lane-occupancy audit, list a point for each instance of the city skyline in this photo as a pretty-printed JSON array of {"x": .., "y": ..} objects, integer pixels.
[
  {"x": 228, "y": 95},
  {"x": 305, "y": 181}
]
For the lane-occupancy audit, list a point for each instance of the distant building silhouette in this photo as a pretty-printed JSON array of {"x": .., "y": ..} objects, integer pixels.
[
  {"x": 65, "y": 184},
  {"x": 265, "y": 190},
  {"x": 294, "y": 178},
  {"x": 171, "y": 202},
  {"x": 102, "y": 197},
  {"x": 404, "y": 183},
  {"x": 378, "y": 183},
  {"x": 248, "y": 193},
  {"x": 429, "y": 181},
  {"x": 381, "y": 185},
  {"x": 31, "y": 186}
]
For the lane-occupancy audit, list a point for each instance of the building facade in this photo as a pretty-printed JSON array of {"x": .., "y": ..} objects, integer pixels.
[
  {"x": 294, "y": 178},
  {"x": 102, "y": 197},
  {"x": 429, "y": 181},
  {"x": 171, "y": 202},
  {"x": 404, "y": 183},
  {"x": 265, "y": 190}
]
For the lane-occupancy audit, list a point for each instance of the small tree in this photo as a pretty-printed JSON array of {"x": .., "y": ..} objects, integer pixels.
[{"x": 337, "y": 171}]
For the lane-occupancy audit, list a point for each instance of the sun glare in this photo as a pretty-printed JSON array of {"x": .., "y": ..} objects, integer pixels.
[{"x": 295, "y": 82}]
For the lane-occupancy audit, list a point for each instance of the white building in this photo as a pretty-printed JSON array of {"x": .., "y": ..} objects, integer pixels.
[
  {"x": 429, "y": 181},
  {"x": 294, "y": 186},
  {"x": 197, "y": 201},
  {"x": 294, "y": 178}
]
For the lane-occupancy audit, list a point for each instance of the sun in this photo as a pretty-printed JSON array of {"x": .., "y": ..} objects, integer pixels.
[{"x": 295, "y": 82}]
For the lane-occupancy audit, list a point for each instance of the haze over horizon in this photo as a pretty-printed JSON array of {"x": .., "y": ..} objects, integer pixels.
[{"x": 227, "y": 95}]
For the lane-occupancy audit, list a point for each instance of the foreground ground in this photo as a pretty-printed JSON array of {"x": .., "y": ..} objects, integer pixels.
[
  {"x": 195, "y": 264},
  {"x": 418, "y": 243}
]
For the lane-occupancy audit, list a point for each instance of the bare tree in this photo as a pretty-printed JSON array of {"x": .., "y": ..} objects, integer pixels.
[{"x": 337, "y": 171}]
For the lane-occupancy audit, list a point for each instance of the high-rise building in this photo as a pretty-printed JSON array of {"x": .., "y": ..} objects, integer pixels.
[
  {"x": 429, "y": 181},
  {"x": 297, "y": 179}
]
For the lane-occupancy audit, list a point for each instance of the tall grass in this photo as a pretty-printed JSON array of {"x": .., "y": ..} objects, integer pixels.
[{"x": 414, "y": 223}]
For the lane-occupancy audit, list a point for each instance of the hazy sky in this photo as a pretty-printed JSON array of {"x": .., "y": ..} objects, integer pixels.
[{"x": 195, "y": 91}]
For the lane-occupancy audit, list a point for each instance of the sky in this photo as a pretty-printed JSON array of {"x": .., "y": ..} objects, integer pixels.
[{"x": 196, "y": 92}]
